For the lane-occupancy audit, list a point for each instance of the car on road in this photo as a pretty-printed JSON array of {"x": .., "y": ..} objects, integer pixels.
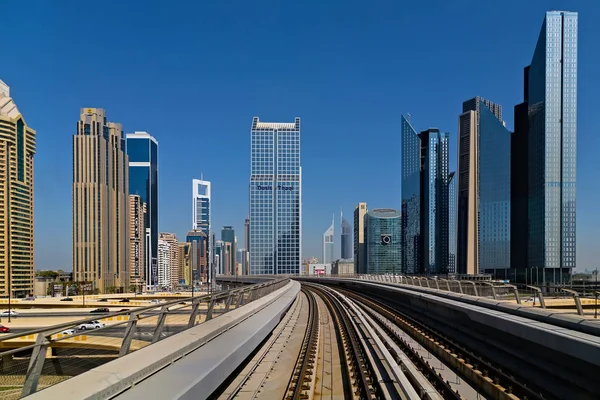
[
  {"x": 90, "y": 325},
  {"x": 4, "y": 329},
  {"x": 29, "y": 298},
  {"x": 100, "y": 310},
  {"x": 155, "y": 301},
  {"x": 69, "y": 332},
  {"x": 123, "y": 309},
  {"x": 6, "y": 313},
  {"x": 67, "y": 299},
  {"x": 103, "y": 300},
  {"x": 124, "y": 301}
]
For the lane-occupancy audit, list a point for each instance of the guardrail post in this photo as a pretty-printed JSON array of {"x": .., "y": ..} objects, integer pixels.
[
  {"x": 474, "y": 286},
  {"x": 437, "y": 284},
  {"x": 228, "y": 301},
  {"x": 491, "y": 285},
  {"x": 577, "y": 300},
  {"x": 540, "y": 295},
  {"x": 36, "y": 363},
  {"x": 427, "y": 281},
  {"x": 460, "y": 289},
  {"x": 160, "y": 324},
  {"x": 211, "y": 306},
  {"x": 240, "y": 300},
  {"x": 194, "y": 313},
  {"x": 516, "y": 292},
  {"x": 129, "y": 332}
]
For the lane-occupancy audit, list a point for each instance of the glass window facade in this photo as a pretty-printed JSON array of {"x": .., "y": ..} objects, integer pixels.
[
  {"x": 411, "y": 198},
  {"x": 452, "y": 222},
  {"x": 552, "y": 110},
  {"x": 275, "y": 198},
  {"x": 384, "y": 245}
]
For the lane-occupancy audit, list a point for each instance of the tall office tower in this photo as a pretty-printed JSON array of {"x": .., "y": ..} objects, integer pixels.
[
  {"x": 17, "y": 148},
  {"x": 201, "y": 213},
  {"x": 411, "y": 199},
  {"x": 247, "y": 242},
  {"x": 384, "y": 247},
  {"x": 328, "y": 243},
  {"x": 346, "y": 238},
  {"x": 242, "y": 260},
  {"x": 275, "y": 198},
  {"x": 483, "y": 228},
  {"x": 434, "y": 201},
  {"x": 452, "y": 215},
  {"x": 198, "y": 254},
  {"x": 551, "y": 98},
  {"x": 229, "y": 243},
  {"x": 360, "y": 251},
  {"x": 168, "y": 270},
  {"x": 184, "y": 264},
  {"x": 100, "y": 202},
  {"x": 142, "y": 150},
  {"x": 137, "y": 241},
  {"x": 218, "y": 258}
]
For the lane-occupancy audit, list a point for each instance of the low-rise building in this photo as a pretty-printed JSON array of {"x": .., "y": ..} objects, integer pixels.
[{"x": 343, "y": 267}]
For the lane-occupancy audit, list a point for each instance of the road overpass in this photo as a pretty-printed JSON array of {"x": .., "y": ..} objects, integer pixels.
[{"x": 391, "y": 337}]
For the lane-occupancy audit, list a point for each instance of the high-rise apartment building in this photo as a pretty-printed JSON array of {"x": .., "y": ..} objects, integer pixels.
[
  {"x": 383, "y": 245},
  {"x": 360, "y": 251},
  {"x": 137, "y": 241},
  {"x": 434, "y": 201},
  {"x": 142, "y": 150},
  {"x": 168, "y": 260},
  {"x": 483, "y": 229},
  {"x": 452, "y": 216},
  {"x": 17, "y": 148},
  {"x": 275, "y": 198},
  {"x": 328, "y": 247},
  {"x": 551, "y": 97},
  {"x": 198, "y": 254},
  {"x": 100, "y": 202},
  {"x": 345, "y": 239},
  {"x": 184, "y": 266},
  {"x": 411, "y": 198}
]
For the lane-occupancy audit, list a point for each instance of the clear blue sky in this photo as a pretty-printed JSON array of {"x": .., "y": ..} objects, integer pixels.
[{"x": 193, "y": 74}]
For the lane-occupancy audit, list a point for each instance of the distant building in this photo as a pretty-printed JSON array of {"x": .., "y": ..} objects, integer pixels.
[
  {"x": 229, "y": 242},
  {"x": 242, "y": 259},
  {"x": 411, "y": 199},
  {"x": 343, "y": 267},
  {"x": 198, "y": 255},
  {"x": 319, "y": 269},
  {"x": 328, "y": 244},
  {"x": 384, "y": 249},
  {"x": 201, "y": 213},
  {"x": 219, "y": 256},
  {"x": 346, "y": 251},
  {"x": 137, "y": 241},
  {"x": 184, "y": 266},
  {"x": 275, "y": 198},
  {"x": 168, "y": 260},
  {"x": 142, "y": 150},
  {"x": 17, "y": 148},
  {"x": 360, "y": 251},
  {"x": 100, "y": 202}
]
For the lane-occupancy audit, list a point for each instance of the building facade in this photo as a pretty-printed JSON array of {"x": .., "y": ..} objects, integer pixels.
[
  {"x": 411, "y": 198},
  {"x": 552, "y": 149},
  {"x": 346, "y": 251},
  {"x": 383, "y": 244},
  {"x": 434, "y": 201},
  {"x": 452, "y": 216},
  {"x": 142, "y": 150},
  {"x": 218, "y": 257},
  {"x": 184, "y": 266},
  {"x": 483, "y": 224},
  {"x": 328, "y": 247},
  {"x": 201, "y": 215},
  {"x": 100, "y": 202},
  {"x": 247, "y": 242},
  {"x": 343, "y": 267},
  {"x": 360, "y": 250},
  {"x": 242, "y": 260},
  {"x": 17, "y": 148},
  {"x": 198, "y": 241},
  {"x": 275, "y": 198},
  {"x": 230, "y": 247},
  {"x": 137, "y": 241},
  {"x": 168, "y": 261}
]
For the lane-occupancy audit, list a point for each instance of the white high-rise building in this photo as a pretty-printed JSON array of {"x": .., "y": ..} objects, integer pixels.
[
  {"x": 328, "y": 243},
  {"x": 168, "y": 263},
  {"x": 201, "y": 216}
]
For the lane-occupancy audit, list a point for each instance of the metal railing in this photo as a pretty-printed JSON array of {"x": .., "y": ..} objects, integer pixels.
[{"x": 39, "y": 358}]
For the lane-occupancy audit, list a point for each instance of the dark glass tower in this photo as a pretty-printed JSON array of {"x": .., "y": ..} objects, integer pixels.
[
  {"x": 452, "y": 222},
  {"x": 411, "y": 194},
  {"x": 382, "y": 233},
  {"x": 142, "y": 150}
]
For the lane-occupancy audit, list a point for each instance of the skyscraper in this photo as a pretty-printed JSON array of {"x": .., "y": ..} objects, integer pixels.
[
  {"x": 184, "y": 263},
  {"x": 552, "y": 148},
  {"x": 142, "y": 150},
  {"x": 230, "y": 253},
  {"x": 434, "y": 201},
  {"x": 360, "y": 251},
  {"x": 411, "y": 198},
  {"x": 17, "y": 147},
  {"x": 218, "y": 257},
  {"x": 483, "y": 238},
  {"x": 137, "y": 240},
  {"x": 384, "y": 248},
  {"x": 275, "y": 198},
  {"x": 201, "y": 215},
  {"x": 100, "y": 202},
  {"x": 168, "y": 260},
  {"x": 452, "y": 215},
  {"x": 328, "y": 243},
  {"x": 345, "y": 239},
  {"x": 198, "y": 241}
]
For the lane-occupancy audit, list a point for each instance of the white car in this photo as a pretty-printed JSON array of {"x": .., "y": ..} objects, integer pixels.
[
  {"x": 12, "y": 313},
  {"x": 68, "y": 332},
  {"x": 90, "y": 325}
]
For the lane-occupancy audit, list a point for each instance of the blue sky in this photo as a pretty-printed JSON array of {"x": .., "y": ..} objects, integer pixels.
[{"x": 193, "y": 74}]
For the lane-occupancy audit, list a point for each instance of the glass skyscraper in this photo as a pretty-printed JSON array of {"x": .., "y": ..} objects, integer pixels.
[
  {"x": 552, "y": 128},
  {"x": 275, "y": 198},
  {"x": 384, "y": 248},
  {"x": 434, "y": 201},
  {"x": 142, "y": 150},
  {"x": 346, "y": 239},
  {"x": 452, "y": 222},
  {"x": 411, "y": 198},
  {"x": 328, "y": 244}
]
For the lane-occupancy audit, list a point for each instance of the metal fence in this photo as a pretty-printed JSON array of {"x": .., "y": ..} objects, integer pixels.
[{"x": 39, "y": 358}]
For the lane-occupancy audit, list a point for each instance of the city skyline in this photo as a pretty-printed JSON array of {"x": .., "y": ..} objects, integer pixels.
[{"x": 230, "y": 212}]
